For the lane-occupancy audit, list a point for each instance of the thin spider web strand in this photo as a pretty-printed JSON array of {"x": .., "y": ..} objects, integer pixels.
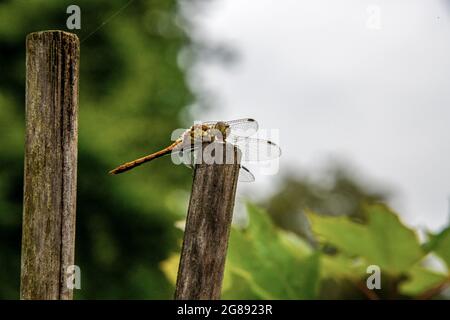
[{"x": 107, "y": 20}]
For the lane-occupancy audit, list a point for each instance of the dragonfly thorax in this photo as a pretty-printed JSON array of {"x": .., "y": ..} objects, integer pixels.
[
  {"x": 223, "y": 128},
  {"x": 207, "y": 132}
]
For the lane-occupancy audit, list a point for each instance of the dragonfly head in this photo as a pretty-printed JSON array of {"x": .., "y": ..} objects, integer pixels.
[{"x": 223, "y": 128}]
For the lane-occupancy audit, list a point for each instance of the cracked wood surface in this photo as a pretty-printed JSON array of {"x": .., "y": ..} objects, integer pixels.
[
  {"x": 49, "y": 204},
  {"x": 207, "y": 230}
]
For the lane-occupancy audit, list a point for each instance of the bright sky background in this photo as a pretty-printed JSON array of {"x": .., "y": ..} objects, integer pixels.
[{"x": 340, "y": 84}]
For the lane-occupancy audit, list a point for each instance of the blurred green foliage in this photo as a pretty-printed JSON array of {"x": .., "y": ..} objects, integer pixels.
[
  {"x": 386, "y": 242},
  {"x": 132, "y": 92},
  {"x": 268, "y": 261},
  {"x": 265, "y": 262},
  {"x": 336, "y": 193},
  {"x": 383, "y": 241}
]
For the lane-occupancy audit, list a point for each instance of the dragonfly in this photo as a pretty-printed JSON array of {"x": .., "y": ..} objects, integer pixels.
[{"x": 235, "y": 132}]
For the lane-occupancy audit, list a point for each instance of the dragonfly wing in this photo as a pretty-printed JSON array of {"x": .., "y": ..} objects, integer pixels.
[
  {"x": 187, "y": 157},
  {"x": 245, "y": 175},
  {"x": 254, "y": 149},
  {"x": 243, "y": 127}
]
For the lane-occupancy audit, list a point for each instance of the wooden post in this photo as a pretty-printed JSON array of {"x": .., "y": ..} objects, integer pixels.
[
  {"x": 48, "y": 233},
  {"x": 207, "y": 229}
]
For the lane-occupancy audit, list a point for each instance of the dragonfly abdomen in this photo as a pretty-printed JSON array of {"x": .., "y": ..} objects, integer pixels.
[{"x": 135, "y": 163}]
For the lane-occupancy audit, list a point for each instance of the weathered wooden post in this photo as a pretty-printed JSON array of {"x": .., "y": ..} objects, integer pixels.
[
  {"x": 48, "y": 234},
  {"x": 207, "y": 229}
]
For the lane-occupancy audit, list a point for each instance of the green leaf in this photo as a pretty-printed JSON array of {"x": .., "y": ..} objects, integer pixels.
[
  {"x": 420, "y": 280},
  {"x": 440, "y": 245},
  {"x": 270, "y": 263},
  {"x": 170, "y": 267},
  {"x": 340, "y": 266},
  {"x": 241, "y": 286},
  {"x": 383, "y": 241}
]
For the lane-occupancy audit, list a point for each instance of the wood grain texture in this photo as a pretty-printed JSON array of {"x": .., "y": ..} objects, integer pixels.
[
  {"x": 49, "y": 204},
  {"x": 207, "y": 230}
]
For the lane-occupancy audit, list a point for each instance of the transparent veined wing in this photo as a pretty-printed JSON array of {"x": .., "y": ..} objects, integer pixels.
[
  {"x": 254, "y": 149},
  {"x": 189, "y": 156},
  {"x": 241, "y": 127},
  {"x": 245, "y": 175}
]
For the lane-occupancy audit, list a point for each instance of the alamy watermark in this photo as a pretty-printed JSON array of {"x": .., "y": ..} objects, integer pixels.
[
  {"x": 73, "y": 277},
  {"x": 373, "y": 17},
  {"x": 374, "y": 280},
  {"x": 74, "y": 20}
]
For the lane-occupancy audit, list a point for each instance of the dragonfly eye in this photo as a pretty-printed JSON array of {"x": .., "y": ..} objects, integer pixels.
[{"x": 223, "y": 128}]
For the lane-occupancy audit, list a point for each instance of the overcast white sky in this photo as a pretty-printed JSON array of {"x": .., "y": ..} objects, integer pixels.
[{"x": 339, "y": 84}]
